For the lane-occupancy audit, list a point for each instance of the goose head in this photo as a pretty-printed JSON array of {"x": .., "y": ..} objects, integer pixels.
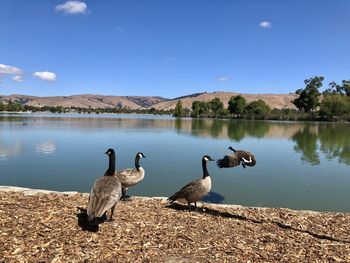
[
  {"x": 110, "y": 152},
  {"x": 140, "y": 155},
  {"x": 207, "y": 158},
  {"x": 231, "y": 148}
]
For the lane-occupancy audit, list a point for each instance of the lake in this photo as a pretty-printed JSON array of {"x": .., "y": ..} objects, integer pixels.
[{"x": 300, "y": 165}]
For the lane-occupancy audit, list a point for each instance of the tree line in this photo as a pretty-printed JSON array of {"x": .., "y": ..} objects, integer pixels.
[
  {"x": 13, "y": 106},
  {"x": 311, "y": 104},
  {"x": 332, "y": 104}
]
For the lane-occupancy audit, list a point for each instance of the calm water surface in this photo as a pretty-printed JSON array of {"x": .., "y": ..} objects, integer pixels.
[{"x": 300, "y": 165}]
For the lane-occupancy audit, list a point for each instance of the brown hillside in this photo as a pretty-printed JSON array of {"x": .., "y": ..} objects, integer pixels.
[
  {"x": 86, "y": 101},
  {"x": 278, "y": 101}
]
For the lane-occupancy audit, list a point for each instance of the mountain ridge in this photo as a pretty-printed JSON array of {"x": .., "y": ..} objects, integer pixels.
[{"x": 94, "y": 101}]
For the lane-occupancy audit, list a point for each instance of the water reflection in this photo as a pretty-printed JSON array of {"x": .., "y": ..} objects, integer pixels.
[
  {"x": 331, "y": 139},
  {"x": 306, "y": 144},
  {"x": 174, "y": 147},
  {"x": 46, "y": 148},
  {"x": 310, "y": 139},
  {"x": 335, "y": 142},
  {"x": 8, "y": 150}
]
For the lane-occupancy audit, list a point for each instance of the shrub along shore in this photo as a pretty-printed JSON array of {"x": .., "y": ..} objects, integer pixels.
[{"x": 42, "y": 226}]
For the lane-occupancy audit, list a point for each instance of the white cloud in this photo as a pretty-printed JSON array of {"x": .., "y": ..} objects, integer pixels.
[
  {"x": 9, "y": 70},
  {"x": 18, "y": 78},
  {"x": 223, "y": 78},
  {"x": 45, "y": 75},
  {"x": 72, "y": 7},
  {"x": 265, "y": 24}
]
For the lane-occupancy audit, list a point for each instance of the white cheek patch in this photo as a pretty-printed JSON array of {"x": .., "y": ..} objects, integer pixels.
[
  {"x": 206, "y": 159},
  {"x": 140, "y": 155}
]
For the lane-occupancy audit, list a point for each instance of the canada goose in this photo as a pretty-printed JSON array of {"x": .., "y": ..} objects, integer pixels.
[
  {"x": 195, "y": 190},
  {"x": 237, "y": 158},
  {"x": 105, "y": 193},
  {"x": 129, "y": 177}
]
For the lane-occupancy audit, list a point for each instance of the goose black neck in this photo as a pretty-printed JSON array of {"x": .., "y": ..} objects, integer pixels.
[
  {"x": 111, "y": 166},
  {"x": 205, "y": 169},
  {"x": 137, "y": 162},
  {"x": 233, "y": 149}
]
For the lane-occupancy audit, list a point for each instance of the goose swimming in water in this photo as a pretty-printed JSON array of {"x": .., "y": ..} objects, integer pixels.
[
  {"x": 238, "y": 157},
  {"x": 195, "y": 190},
  {"x": 106, "y": 192},
  {"x": 130, "y": 177}
]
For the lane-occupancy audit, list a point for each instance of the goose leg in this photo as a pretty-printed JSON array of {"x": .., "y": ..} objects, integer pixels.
[
  {"x": 189, "y": 207},
  {"x": 124, "y": 196},
  {"x": 112, "y": 211},
  {"x": 243, "y": 165},
  {"x": 195, "y": 205}
]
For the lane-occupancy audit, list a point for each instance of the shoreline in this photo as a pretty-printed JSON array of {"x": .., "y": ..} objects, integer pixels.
[
  {"x": 34, "y": 191},
  {"x": 43, "y": 226},
  {"x": 318, "y": 119}
]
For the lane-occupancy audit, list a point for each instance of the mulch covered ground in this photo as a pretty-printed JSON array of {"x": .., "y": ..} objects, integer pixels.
[{"x": 44, "y": 228}]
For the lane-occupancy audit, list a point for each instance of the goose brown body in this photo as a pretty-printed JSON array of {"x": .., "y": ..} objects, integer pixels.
[
  {"x": 130, "y": 177},
  {"x": 106, "y": 191},
  {"x": 195, "y": 190},
  {"x": 238, "y": 157}
]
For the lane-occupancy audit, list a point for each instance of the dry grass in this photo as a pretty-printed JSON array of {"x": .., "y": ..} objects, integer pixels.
[{"x": 44, "y": 228}]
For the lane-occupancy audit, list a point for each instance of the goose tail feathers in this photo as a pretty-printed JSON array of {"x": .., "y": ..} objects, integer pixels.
[
  {"x": 172, "y": 198},
  {"x": 89, "y": 225},
  {"x": 220, "y": 163}
]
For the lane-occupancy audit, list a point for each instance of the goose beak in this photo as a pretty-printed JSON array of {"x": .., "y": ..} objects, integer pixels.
[{"x": 211, "y": 159}]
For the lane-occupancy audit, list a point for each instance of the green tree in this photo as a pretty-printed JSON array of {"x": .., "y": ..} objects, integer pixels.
[
  {"x": 178, "y": 109},
  {"x": 237, "y": 104},
  {"x": 196, "y": 107},
  {"x": 216, "y": 105},
  {"x": 203, "y": 108},
  {"x": 2, "y": 106},
  {"x": 309, "y": 97},
  {"x": 14, "y": 106},
  {"x": 343, "y": 89},
  {"x": 335, "y": 105},
  {"x": 257, "y": 107}
]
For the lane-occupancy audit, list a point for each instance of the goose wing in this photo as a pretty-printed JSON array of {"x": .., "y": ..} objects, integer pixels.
[
  {"x": 247, "y": 157},
  {"x": 229, "y": 161},
  {"x": 105, "y": 193},
  {"x": 185, "y": 191},
  {"x": 129, "y": 177},
  {"x": 124, "y": 175}
]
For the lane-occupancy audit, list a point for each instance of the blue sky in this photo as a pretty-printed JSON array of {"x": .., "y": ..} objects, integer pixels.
[{"x": 170, "y": 47}]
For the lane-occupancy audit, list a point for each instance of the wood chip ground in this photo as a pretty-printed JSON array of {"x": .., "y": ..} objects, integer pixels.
[{"x": 44, "y": 228}]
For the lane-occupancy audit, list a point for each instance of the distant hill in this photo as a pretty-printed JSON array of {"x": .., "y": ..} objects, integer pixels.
[
  {"x": 86, "y": 101},
  {"x": 278, "y": 101}
]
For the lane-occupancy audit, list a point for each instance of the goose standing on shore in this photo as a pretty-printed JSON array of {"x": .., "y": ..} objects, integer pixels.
[
  {"x": 130, "y": 177},
  {"x": 238, "y": 157},
  {"x": 195, "y": 190},
  {"x": 105, "y": 193}
]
